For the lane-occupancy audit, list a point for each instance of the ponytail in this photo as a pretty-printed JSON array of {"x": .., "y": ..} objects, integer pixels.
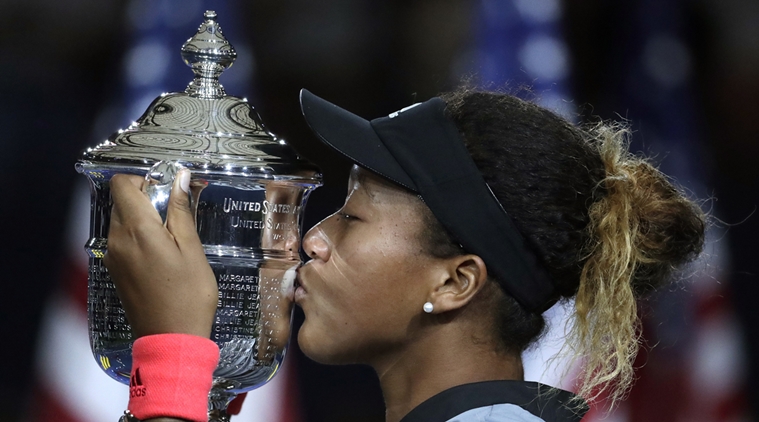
[
  {"x": 640, "y": 231},
  {"x": 608, "y": 226}
]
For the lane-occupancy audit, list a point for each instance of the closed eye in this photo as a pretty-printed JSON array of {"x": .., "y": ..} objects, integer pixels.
[{"x": 346, "y": 216}]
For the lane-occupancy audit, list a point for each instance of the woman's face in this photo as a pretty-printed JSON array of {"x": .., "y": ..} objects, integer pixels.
[{"x": 363, "y": 290}]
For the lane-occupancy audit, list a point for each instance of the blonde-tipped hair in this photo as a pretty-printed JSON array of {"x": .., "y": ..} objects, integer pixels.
[
  {"x": 607, "y": 225},
  {"x": 630, "y": 250}
]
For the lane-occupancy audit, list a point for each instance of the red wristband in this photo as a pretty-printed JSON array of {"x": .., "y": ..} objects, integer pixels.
[{"x": 172, "y": 376}]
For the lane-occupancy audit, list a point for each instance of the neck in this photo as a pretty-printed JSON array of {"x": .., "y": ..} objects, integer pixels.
[{"x": 443, "y": 357}]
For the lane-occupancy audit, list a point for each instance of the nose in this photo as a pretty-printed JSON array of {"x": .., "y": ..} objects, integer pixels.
[{"x": 316, "y": 244}]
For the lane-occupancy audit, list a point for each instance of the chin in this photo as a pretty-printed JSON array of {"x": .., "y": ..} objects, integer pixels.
[{"x": 321, "y": 348}]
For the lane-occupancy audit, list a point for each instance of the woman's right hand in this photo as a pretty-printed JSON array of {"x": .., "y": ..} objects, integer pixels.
[{"x": 160, "y": 271}]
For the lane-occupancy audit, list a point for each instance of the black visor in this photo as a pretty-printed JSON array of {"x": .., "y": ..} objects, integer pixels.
[{"x": 420, "y": 148}]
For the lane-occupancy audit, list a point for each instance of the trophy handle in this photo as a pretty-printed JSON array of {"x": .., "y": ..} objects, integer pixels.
[{"x": 158, "y": 183}]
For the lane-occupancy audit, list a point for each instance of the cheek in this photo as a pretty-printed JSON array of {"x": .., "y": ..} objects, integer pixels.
[
  {"x": 376, "y": 275},
  {"x": 364, "y": 303}
]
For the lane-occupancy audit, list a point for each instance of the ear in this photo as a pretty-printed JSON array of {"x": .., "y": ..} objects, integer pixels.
[{"x": 465, "y": 275}]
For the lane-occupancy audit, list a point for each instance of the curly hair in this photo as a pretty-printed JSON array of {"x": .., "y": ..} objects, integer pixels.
[{"x": 607, "y": 225}]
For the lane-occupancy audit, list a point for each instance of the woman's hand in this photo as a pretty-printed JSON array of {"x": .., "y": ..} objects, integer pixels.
[{"x": 161, "y": 274}]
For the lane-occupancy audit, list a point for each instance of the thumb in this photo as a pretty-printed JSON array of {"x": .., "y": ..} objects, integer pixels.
[{"x": 179, "y": 218}]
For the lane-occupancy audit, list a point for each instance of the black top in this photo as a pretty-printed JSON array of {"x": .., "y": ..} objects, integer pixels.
[{"x": 548, "y": 403}]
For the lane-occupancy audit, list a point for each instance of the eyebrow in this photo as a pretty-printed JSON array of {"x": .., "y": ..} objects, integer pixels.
[{"x": 369, "y": 191}]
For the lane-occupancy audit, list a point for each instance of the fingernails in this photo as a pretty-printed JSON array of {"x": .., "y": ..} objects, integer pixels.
[{"x": 184, "y": 180}]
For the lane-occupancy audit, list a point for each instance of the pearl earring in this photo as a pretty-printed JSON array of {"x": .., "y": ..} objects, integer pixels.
[{"x": 428, "y": 307}]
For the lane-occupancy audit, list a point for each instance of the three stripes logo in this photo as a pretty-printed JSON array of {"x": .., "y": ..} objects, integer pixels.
[{"x": 136, "y": 389}]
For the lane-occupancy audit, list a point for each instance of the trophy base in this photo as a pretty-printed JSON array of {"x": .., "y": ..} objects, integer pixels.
[
  {"x": 218, "y": 400},
  {"x": 218, "y": 415}
]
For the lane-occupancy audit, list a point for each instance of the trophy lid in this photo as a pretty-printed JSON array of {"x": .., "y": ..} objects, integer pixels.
[{"x": 202, "y": 128}]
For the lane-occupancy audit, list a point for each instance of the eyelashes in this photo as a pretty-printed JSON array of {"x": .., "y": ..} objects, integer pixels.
[{"x": 346, "y": 216}]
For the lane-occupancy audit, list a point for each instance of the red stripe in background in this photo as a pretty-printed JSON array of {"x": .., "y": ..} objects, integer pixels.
[
  {"x": 236, "y": 405},
  {"x": 714, "y": 303},
  {"x": 74, "y": 277},
  {"x": 290, "y": 409},
  {"x": 47, "y": 408},
  {"x": 291, "y": 404}
]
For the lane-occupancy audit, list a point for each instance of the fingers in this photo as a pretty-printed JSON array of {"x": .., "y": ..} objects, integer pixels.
[
  {"x": 129, "y": 201},
  {"x": 132, "y": 216},
  {"x": 160, "y": 272},
  {"x": 180, "y": 220},
  {"x": 132, "y": 208}
]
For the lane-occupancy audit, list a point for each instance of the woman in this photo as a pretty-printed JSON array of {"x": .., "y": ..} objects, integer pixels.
[{"x": 467, "y": 216}]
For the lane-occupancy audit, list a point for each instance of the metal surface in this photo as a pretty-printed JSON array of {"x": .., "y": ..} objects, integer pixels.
[
  {"x": 248, "y": 189},
  {"x": 202, "y": 128}
]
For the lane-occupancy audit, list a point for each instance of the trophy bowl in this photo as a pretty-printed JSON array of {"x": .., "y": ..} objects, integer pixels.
[{"x": 248, "y": 192}]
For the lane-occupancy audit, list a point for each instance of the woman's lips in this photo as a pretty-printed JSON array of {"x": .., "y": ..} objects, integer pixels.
[{"x": 300, "y": 291}]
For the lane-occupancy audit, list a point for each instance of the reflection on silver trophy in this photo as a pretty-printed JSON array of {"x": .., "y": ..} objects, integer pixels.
[{"x": 248, "y": 190}]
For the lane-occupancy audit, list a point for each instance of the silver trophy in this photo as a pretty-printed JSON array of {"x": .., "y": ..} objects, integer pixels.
[{"x": 248, "y": 190}]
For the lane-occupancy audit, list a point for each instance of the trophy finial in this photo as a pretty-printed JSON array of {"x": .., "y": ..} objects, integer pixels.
[{"x": 208, "y": 53}]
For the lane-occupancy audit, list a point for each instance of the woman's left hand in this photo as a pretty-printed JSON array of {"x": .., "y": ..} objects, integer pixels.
[{"x": 160, "y": 271}]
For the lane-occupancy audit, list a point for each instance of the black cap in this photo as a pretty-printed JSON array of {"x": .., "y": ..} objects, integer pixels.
[{"x": 420, "y": 148}]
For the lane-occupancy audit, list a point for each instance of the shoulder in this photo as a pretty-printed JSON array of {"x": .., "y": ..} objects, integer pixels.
[
  {"x": 504, "y": 412},
  {"x": 499, "y": 401}
]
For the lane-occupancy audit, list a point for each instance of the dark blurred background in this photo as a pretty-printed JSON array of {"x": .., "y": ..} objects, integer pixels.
[{"x": 684, "y": 72}]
